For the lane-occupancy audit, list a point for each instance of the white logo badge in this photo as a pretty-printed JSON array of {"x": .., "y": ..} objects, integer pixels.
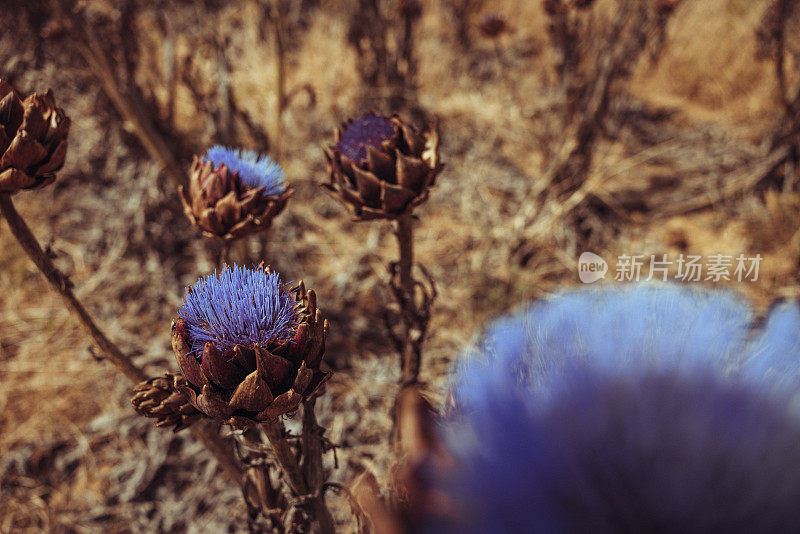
[{"x": 591, "y": 267}]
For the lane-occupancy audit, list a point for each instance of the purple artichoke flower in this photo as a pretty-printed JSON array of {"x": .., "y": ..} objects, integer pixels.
[
  {"x": 382, "y": 167},
  {"x": 255, "y": 170},
  {"x": 233, "y": 192},
  {"x": 249, "y": 349},
  {"x": 648, "y": 409}
]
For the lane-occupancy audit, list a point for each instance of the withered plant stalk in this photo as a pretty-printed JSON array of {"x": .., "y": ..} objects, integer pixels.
[
  {"x": 60, "y": 283},
  {"x": 280, "y": 74},
  {"x": 126, "y": 103},
  {"x": 291, "y": 468},
  {"x": 411, "y": 354}
]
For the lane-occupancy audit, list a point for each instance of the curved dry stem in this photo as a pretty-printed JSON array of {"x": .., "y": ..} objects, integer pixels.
[{"x": 61, "y": 284}]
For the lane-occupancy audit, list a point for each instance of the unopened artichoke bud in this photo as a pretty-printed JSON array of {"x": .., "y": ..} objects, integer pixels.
[
  {"x": 159, "y": 398},
  {"x": 233, "y": 193},
  {"x": 382, "y": 167},
  {"x": 249, "y": 348},
  {"x": 33, "y": 139}
]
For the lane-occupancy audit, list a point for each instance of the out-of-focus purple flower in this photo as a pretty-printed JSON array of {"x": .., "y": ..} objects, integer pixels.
[{"x": 648, "y": 409}]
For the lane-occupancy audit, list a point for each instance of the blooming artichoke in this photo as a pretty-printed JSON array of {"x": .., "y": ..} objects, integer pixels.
[
  {"x": 33, "y": 139},
  {"x": 249, "y": 350},
  {"x": 233, "y": 193},
  {"x": 381, "y": 166},
  {"x": 160, "y": 399}
]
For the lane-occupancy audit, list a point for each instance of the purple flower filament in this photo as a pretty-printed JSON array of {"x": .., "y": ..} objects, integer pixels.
[
  {"x": 238, "y": 306},
  {"x": 254, "y": 169},
  {"x": 367, "y": 130}
]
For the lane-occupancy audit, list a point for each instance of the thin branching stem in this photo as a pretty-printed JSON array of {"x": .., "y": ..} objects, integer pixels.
[{"x": 60, "y": 283}]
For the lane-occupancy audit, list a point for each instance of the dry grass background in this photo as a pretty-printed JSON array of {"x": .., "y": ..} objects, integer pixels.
[{"x": 74, "y": 457}]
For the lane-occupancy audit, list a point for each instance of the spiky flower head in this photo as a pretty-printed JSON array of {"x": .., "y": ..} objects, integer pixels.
[
  {"x": 254, "y": 170},
  {"x": 238, "y": 306},
  {"x": 249, "y": 348},
  {"x": 381, "y": 166},
  {"x": 650, "y": 409},
  {"x": 234, "y": 192},
  {"x": 33, "y": 139}
]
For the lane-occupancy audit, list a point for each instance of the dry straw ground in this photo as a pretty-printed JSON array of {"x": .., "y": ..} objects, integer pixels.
[{"x": 683, "y": 171}]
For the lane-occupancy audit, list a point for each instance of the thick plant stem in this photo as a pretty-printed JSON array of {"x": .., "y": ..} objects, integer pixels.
[
  {"x": 264, "y": 497},
  {"x": 110, "y": 350},
  {"x": 312, "y": 461},
  {"x": 288, "y": 462},
  {"x": 411, "y": 356},
  {"x": 211, "y": 440}
]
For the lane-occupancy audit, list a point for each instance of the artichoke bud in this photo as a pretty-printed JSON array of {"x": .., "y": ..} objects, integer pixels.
[
  {"x": 233, "y": 193},
  {"x": 33, "y": 139},
  {"x": 160, "y": 398},
  {"x": 381, "y": 167}
]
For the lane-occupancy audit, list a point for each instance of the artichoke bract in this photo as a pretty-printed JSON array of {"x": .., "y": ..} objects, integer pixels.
[
  {"x": 33, "y": 139},
  {"x": 249, "y": 349},
  {"x": 233, "y": 193},
  {"x": 382, "y": 167}
]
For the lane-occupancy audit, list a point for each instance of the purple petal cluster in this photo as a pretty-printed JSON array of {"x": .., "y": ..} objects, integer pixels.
[
  {"x": 367, "y": 130},
  {"x": 238, "y": 306},
  {"x": 646, "y": 409},
  {"x": 255, "y": 170}
]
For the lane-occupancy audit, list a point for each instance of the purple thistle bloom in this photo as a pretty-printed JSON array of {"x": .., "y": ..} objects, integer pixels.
[
  {"x": 647, "y": 409},
  {"x": 238, "y": 306},
  {"x": 367, "y": 130},
  {"x": 255, "y": 170}
]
